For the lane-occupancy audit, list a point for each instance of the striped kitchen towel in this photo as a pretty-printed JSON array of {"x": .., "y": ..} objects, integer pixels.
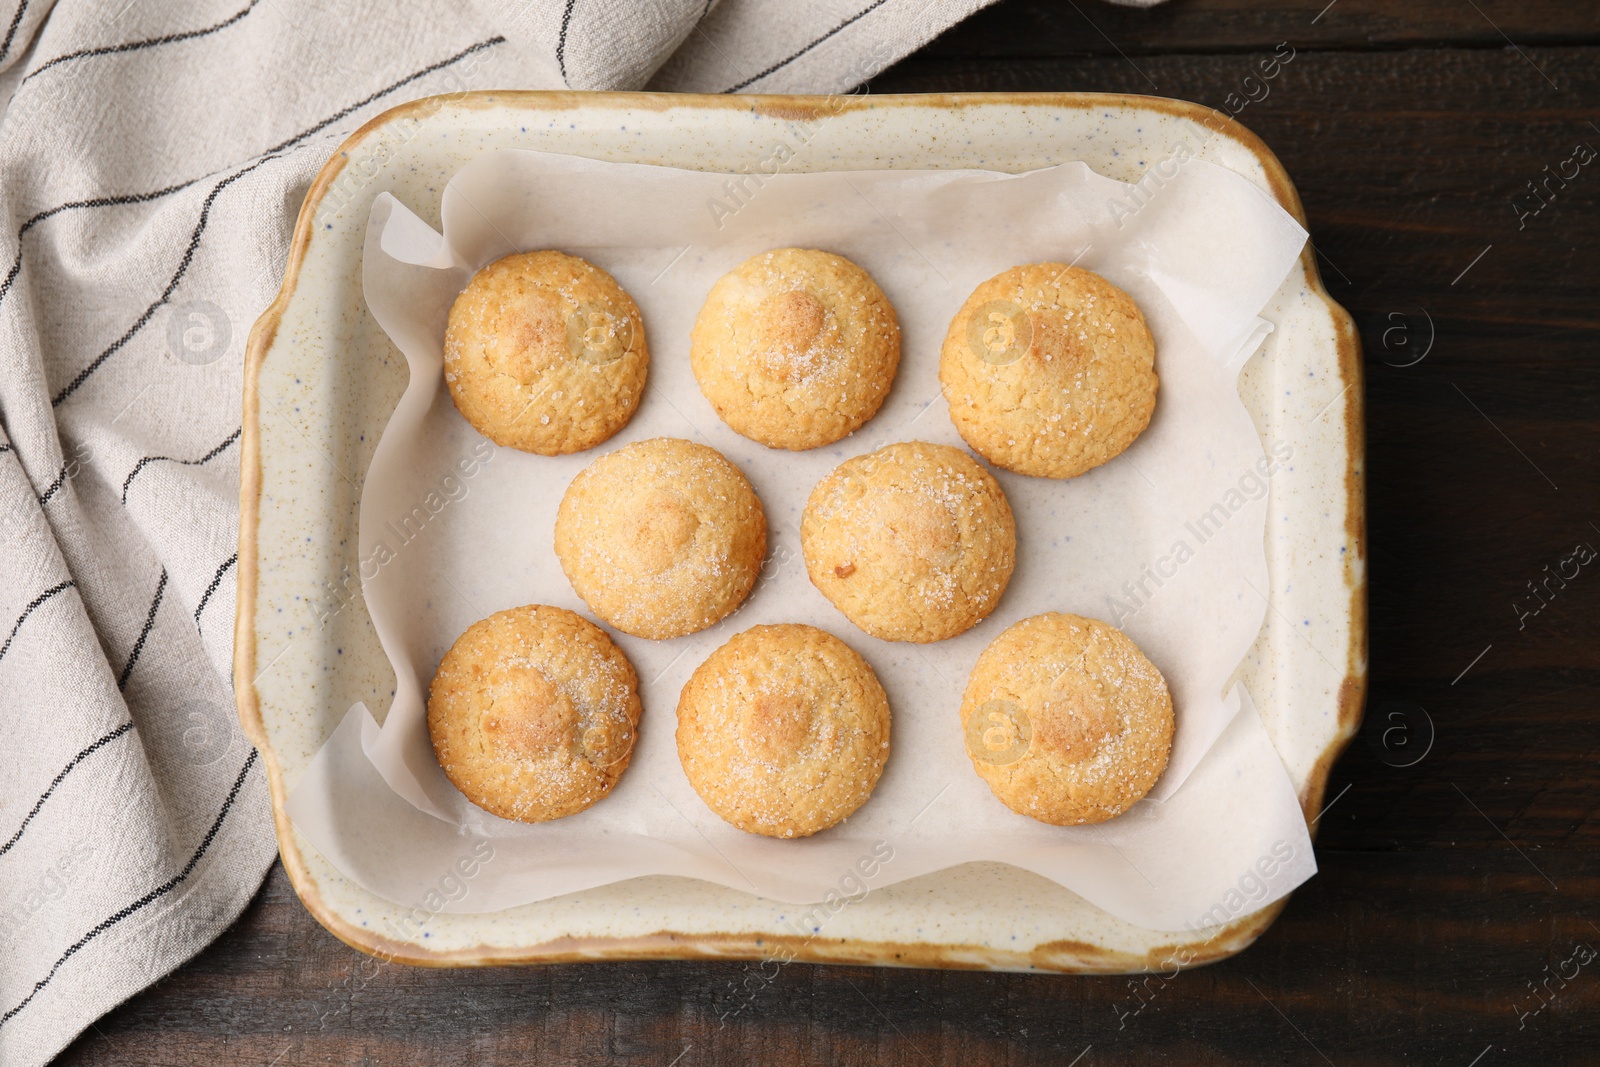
[{"x": 152, "y": 160}]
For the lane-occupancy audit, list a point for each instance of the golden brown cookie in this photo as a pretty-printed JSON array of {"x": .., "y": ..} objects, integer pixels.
[
  {"x": 784, "y": 730},
  {"x": 913, "y": 542},
  {"x": 1049, "y": 370},
  {"x": 534, "y": 713},
  {"x": 1067, "y": 720},
  {"x": 661, "y": 538},
  {"x": 544, "y": 352},
  {"x": 795, "y": 348}
]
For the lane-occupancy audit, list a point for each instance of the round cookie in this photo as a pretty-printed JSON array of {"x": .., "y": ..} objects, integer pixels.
[
  {"x": 795, "y": 348},
  {"x": 545, "y": 353},
  {"x": 533, "y": 713},
  {"x": 913, "y": 542},
  {"x": 1049, "y": 370},
  {"x": 1067, "y": 720},
  {"x": 784, "y": 730},
  {"x": 661, "y": 538}
]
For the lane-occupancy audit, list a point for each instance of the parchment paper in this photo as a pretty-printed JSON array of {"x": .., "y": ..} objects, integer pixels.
[{"x": 1165, "y": 541}]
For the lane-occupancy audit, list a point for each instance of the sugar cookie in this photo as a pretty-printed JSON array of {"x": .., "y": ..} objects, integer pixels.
[
  {"x": 914, "y": 542},
  {"x": 661, "y": 538},
  {"x": 795, "y": 348},
  {"x": 1067, "y": 720},
  {"x": 544, "y": 352},
  {"x": 1049, "y": 370},
  {"x": 784, "y": 730},
  {"x": 533, "y": 713}
]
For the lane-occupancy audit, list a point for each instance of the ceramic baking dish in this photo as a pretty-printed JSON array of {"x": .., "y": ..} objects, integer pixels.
[{"x": 321, "y": 379}]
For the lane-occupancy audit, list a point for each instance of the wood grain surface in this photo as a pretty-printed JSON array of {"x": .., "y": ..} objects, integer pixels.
[{"x": 1456, "y": 918}]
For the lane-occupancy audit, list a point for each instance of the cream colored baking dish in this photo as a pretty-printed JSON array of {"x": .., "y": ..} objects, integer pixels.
[{"x": 321, "y": 379}]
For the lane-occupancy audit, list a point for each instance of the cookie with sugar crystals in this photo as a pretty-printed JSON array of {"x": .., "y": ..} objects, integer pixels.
[
  {"x": 795, "y": 348},
  {"x": 534, "y": 713},
  {"x": 1067, "y": 720},
  {"x": 784, "y": 730},
  {"x": 913, "y": 542},
  {"x": 1049, "y": 370},
  {"x": 544, "y": 352},
  {"x": 661, "y": 538}
]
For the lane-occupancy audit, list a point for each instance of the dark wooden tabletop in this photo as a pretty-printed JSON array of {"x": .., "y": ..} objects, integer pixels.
[{"x": 1456, "y": 918}]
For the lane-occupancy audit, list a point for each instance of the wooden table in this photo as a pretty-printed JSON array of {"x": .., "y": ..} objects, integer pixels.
[{"x": 1454, "y": 920}]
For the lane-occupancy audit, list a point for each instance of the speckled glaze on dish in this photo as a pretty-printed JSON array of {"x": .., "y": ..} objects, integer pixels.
[{"x": 321, "y": 379}]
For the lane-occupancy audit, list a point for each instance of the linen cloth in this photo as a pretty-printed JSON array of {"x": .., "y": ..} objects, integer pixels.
[{"x": 153, "y": 157}]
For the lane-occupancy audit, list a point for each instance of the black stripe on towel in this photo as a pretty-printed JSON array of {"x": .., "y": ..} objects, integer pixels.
[
  {"x": 34, "y": 603},
  {"x": 139, "y": 46},
  {"x": 155, "y": 894},
  {"x": 144, "y": 635},
  {"x": 216, "y": 580},
  {"x": 88, "y": 751},
  {"x": 780, "y": 64},
  {"x": 207, "y": 458}
]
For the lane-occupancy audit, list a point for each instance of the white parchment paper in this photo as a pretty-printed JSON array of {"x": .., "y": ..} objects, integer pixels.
[{"x": 1165, "y": 541}]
